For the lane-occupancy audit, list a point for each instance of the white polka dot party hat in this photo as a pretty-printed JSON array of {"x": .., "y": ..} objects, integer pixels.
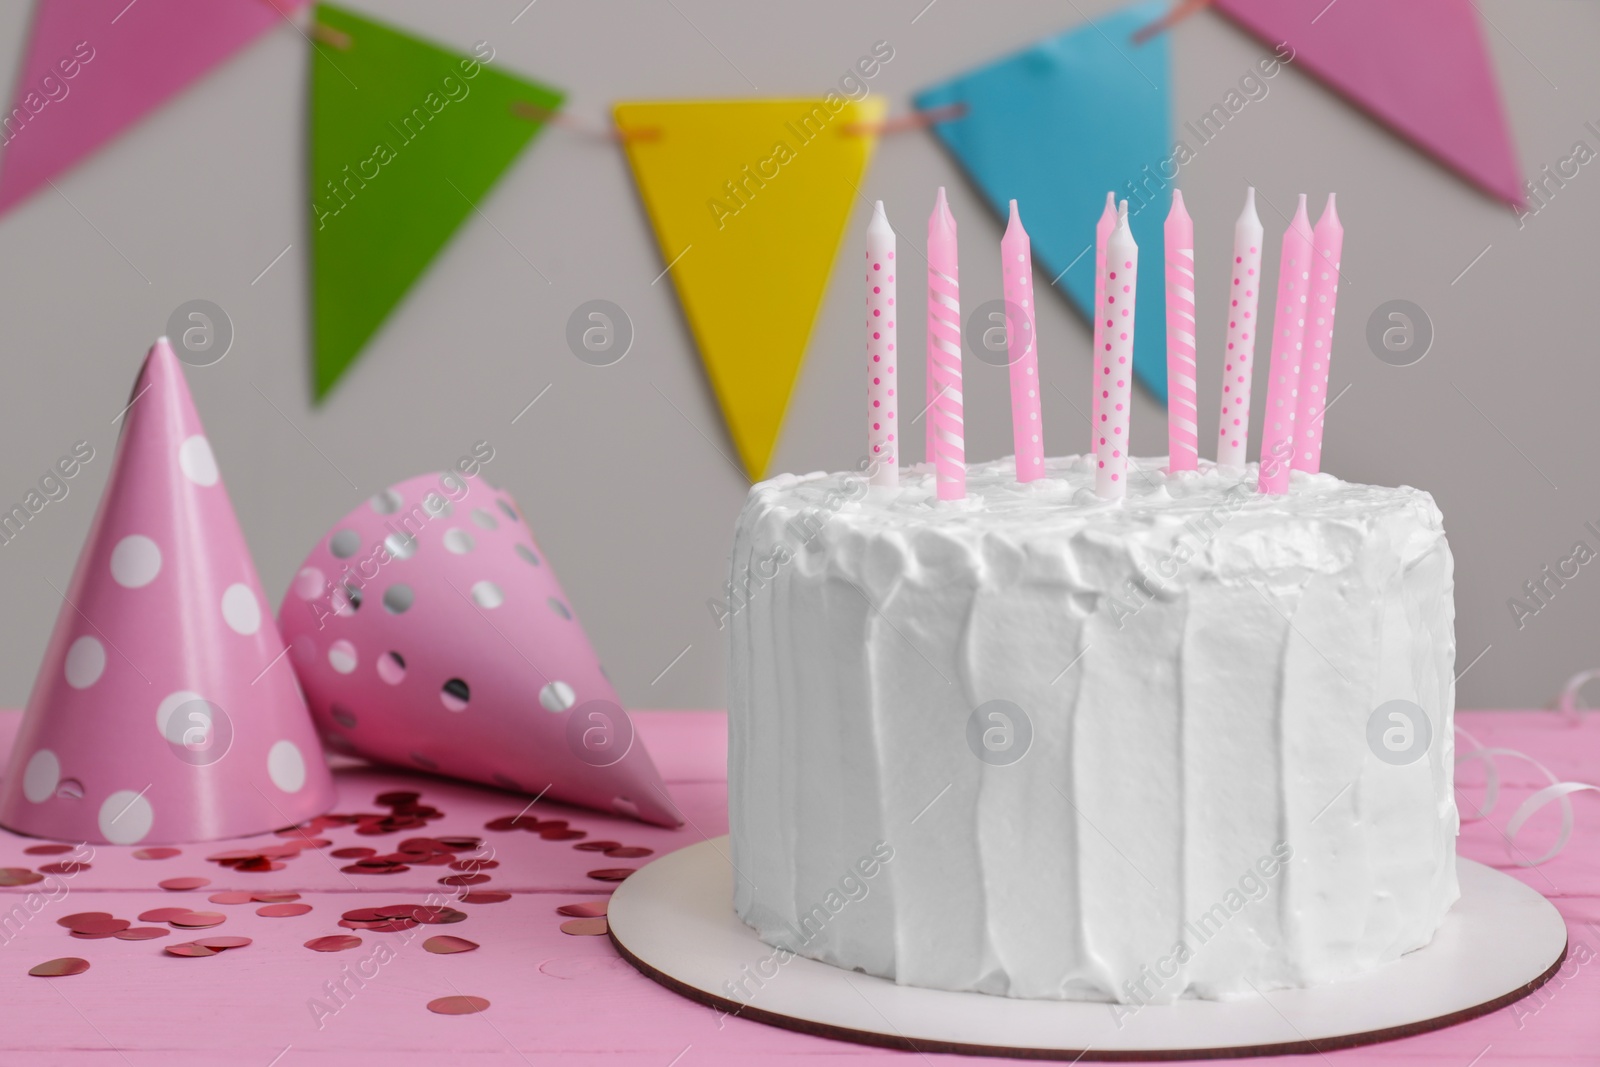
[
  {"x": 430, "y": 632},
  {"x": 165, "y": 710}
]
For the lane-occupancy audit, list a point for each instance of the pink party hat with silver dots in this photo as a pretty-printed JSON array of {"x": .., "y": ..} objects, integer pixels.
[
  {"x": 430, "y": 632},
  {"x": 165, "y": 710}
]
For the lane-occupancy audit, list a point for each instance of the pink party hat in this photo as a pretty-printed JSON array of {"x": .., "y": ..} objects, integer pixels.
[
  {"x": 164, "y": 710},
  {"x": 430, "y": 632}
]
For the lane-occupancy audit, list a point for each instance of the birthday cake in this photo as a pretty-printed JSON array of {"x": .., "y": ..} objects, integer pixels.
[{"x": 1036, "y": 743}]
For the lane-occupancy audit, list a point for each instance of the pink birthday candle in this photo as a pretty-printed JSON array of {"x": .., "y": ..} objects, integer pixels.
[
  {"x": 1016, "y": 255},
  {"x": 946, "y": 443},
  {"x": 1102, "y": 231},
  {"x": 1283, "y": 367},
  {"x": 1233, "y": 424},
  {"x": 881, "y": 422},
  {"x": 1328, "y": 240},
  {"x": 1116, "y": 372},
  {"x": 1183, "y": 413}
]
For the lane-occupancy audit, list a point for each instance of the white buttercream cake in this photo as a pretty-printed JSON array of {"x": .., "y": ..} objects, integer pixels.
[{"x": 1037, "y": 744}]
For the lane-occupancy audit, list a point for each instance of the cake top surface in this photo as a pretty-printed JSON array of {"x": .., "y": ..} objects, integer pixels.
[{"x": 1064, "y": 500}]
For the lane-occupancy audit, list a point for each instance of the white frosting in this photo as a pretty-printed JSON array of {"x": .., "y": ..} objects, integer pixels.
[{"x": 1199, "y": 811}]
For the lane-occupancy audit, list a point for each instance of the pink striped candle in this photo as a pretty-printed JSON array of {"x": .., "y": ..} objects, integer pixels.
[
  {"x": 1102, "y": 232},
  {"x": 1328, "y": 240},
  {"x": 881, "y": 422},
  {"x": 1116, "y": 372},
  {"x": 1283, "y": 368},
  {"x": 1183, "y": 412},
  {"x": 946, "y": 441},
  {"x": 1016, "y": 256},
  {"x": 1233, "y": 423}
]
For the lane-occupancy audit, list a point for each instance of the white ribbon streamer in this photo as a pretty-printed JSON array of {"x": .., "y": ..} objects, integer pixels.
[{"x": 1557, "y": 791}]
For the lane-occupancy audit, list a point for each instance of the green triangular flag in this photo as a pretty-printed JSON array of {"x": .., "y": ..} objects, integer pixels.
[{"x": 406, "y": 138}]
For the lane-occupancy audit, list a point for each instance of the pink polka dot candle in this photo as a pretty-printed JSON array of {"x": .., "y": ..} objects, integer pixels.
[
  {"x": 1102, "y": 233},
  {"x": 1115, "y": 388},
  {"x": 1244, "y": 294},
  {"x": 1328, "y": 246},
  {"x": 1022, "y": 352},
  {"x": 1183, "y": 413},
  {"x": 882, "y": 424},
  {"x": 1283, "y": 366},
  {"x": 947, "y": 448}
]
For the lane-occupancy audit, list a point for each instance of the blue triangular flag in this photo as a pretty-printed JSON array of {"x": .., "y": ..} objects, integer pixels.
[{"x": 1054, "y": 127}]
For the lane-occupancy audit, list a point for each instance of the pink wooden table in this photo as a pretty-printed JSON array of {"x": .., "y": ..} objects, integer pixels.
[{"x": 558, "y": 998}]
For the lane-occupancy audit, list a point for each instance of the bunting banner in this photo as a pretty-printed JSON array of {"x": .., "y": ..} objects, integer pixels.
[
  {"x": 93, "y": 68},
  {"x": 1054, "y": 127},
  {"x": 750, "y": 200},
  {"x": 406, "y": 139},
  {"x": 1419, "y": 67}
]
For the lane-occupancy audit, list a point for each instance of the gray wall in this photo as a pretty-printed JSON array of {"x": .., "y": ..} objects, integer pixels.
[{"x": 197, "y": 200}]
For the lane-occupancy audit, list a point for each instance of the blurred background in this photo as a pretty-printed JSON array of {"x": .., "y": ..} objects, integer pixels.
[{"x": 624, "y": 470}]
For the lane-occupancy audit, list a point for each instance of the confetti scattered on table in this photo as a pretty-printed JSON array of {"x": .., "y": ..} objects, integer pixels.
[
  {"x": 73, "y": 965},
  {"x": 162, "y": 915},
  {"x": 458, "y": 1005},
  {"x": 221, "y": 943},
  {"x": 596, "y": 846},
  {"x": 231, "y": 896},
  {"x": 189, "y": 949},
  {"x": 162, "y": 853},
  {"x": 468, "y": 862},
  {"x": 64, "y": 867},
  {"x": 588, "y": 909},
  {"x": 181, "y": 885}
]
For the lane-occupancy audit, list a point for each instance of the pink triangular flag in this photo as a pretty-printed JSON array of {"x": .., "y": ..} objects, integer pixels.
[
  {"x": 1418, "y": 66},
  {"x": 95, "y": 67},
  {"x": 165, "y": 709},
  {"x": 430, "y": 632}
]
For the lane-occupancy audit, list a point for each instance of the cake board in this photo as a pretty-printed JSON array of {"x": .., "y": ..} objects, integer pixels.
[{"x": 674, "y": 921}]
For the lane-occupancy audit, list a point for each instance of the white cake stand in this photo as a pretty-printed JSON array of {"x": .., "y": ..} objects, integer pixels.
[{"x": 674, "y": 921}]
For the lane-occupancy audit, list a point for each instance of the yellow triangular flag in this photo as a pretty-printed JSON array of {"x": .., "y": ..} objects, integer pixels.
[{"x": 749, "y": 199}]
